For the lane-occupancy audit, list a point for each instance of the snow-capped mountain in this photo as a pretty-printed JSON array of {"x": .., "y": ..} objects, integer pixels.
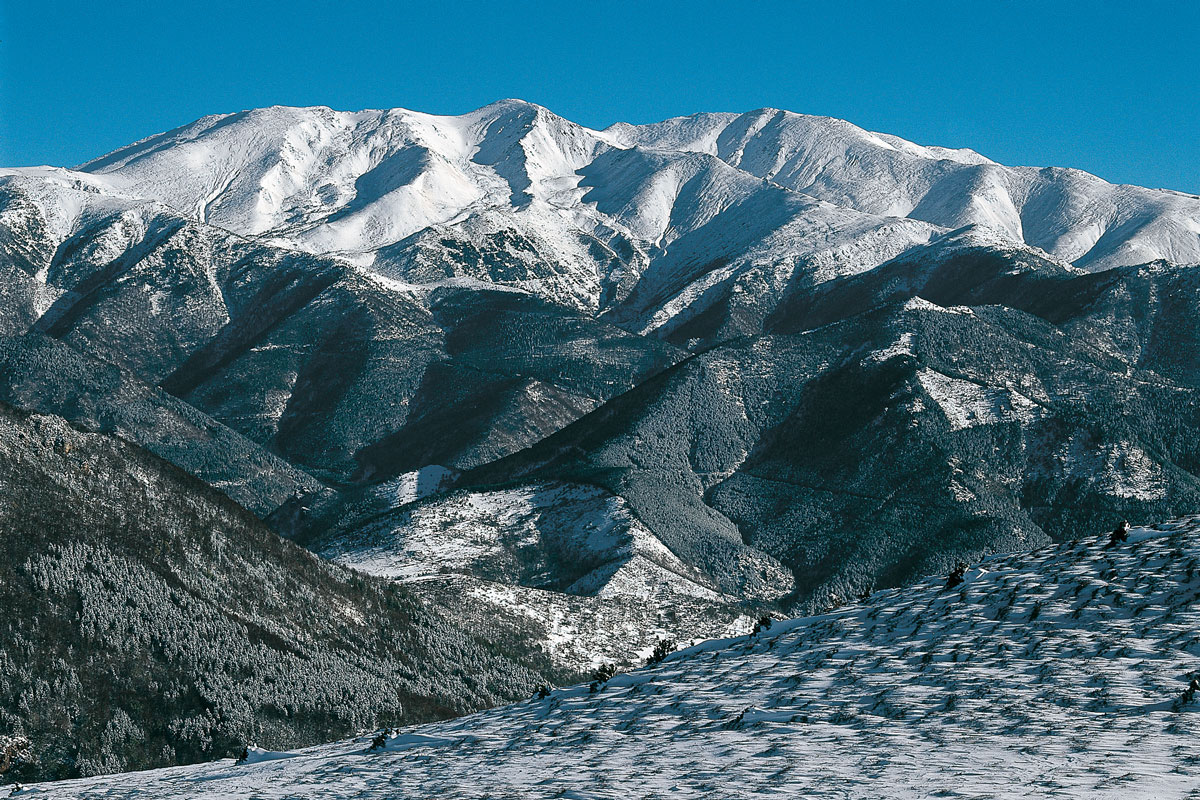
[
  {"x": 578, "y": 390},
  {"x": 1066, "y": 669},
  {"x": 514, "y": 194},
  {"x": 331, "y": 181},
  {"x": 1074, "y": 216}
]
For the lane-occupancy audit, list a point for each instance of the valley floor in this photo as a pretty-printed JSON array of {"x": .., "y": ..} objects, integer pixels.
[{"x": 1051, "y": 674}]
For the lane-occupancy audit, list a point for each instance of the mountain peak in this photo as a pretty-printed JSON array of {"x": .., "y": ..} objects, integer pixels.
[{"x": 355, "y": 183}]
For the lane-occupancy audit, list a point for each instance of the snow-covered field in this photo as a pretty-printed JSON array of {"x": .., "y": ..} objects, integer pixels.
[{"x": 1055, "y": 673}]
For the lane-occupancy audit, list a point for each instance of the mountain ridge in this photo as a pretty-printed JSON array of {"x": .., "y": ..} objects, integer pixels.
[
  {"x": 150, "y": 620},
  {"x": 748, "y": 129}
]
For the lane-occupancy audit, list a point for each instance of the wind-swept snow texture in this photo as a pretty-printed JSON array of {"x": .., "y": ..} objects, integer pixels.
[{"x": 1056, "y": 673}]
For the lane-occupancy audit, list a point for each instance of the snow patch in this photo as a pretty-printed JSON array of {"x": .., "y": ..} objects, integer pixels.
[
  {"x": 257, "y": 755},
  {"x": 901, "y": 347},
  {"x": 966, "y": 404}
]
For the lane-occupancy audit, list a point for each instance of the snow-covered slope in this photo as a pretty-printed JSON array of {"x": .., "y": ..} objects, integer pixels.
[
  {"x": 575, "y": 538},
  {"x": 678, "y": 211},
  {"x": 1075, "y": 216},
  {"x": 510, "y": 194},
  {"x": 569, "y": 566},
  {"x": 685, "y": 334},
  {"x": 1054, "y": 673}
]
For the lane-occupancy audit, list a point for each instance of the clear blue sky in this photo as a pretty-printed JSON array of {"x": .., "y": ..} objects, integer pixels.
[{"x": 1113, "y": 88}]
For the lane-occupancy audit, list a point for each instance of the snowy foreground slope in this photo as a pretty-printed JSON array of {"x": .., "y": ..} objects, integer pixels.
[{"x": 1055, "y": 673}]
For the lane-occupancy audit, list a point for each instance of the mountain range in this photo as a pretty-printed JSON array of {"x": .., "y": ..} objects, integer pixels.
[{"x": 570, "y": 391}]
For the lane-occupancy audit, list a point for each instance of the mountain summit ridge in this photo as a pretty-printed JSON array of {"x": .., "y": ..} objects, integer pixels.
[{"x": 330, "y": 181}]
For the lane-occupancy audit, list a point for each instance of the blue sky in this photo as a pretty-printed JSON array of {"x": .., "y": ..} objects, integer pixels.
[{"x": 1113, "y": 88}]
